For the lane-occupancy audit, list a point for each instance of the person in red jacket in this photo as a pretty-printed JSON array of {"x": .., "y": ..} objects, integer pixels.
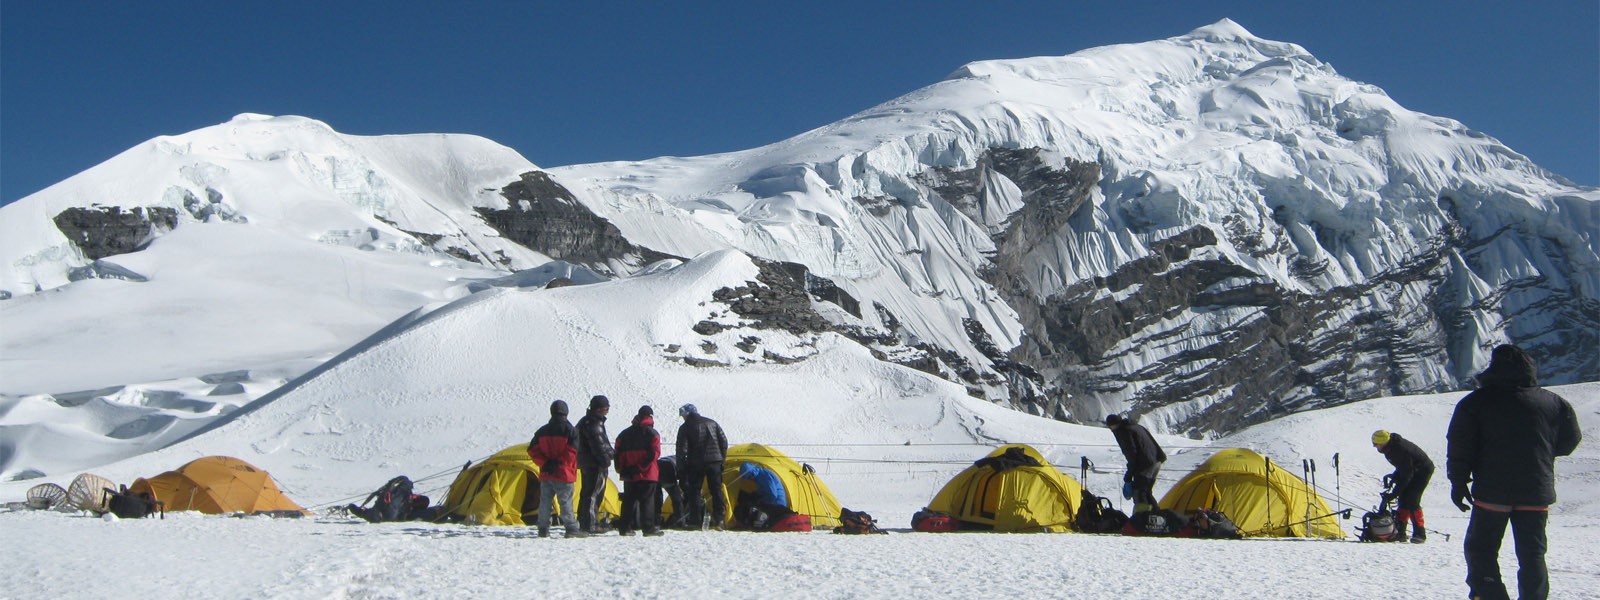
[
  {"x": 554, "y": 449},
  {"x": 637, "y": 449}
]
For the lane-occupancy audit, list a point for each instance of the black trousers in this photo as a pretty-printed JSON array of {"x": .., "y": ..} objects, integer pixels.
[
  {"x": 1484, "y": 534},
  {"x": 639, "y": 506},
  {"x": 710, "y": 474},
  {"x": 1144, "y": 485},
  {"x": 671, "y": 491},
  {"x": 1411, "y": 497},
  {"x": 590, "y": 493}
]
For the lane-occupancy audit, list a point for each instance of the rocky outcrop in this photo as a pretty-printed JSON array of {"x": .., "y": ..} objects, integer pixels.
[
  {"x": 1205, "y": 345},
  {"x": 102, "y": 231},
  {"x": 544, "y": 216}
]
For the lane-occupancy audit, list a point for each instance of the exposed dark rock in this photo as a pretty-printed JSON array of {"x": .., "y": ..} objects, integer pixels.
[
  {"x": 101, "y": 269},
  {"x": 559, "y": 282},
  {"x": 747, "y": 343},
  {"x": 545, "y": 217},
  {"x": 102, "y": 231},
  {"x": 708, "y": 327},
  {"x": 778, "y": 299}
]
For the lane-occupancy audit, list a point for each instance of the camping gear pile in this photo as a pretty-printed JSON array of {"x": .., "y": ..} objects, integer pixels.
[{"x": 212, "y": 485}]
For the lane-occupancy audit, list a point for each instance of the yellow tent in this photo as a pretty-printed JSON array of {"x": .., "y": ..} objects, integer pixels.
[
  {"x": 1236, "y": 482},
  {"x": 504, "y": 490},
  {"x": 1024, "y": 498},
  {"x": 807, "y": 494},
  {"x": 216, "y": 485}
]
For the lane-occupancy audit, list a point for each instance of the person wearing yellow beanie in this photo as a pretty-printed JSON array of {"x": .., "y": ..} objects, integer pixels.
[{"x": 1412, "y": 471}]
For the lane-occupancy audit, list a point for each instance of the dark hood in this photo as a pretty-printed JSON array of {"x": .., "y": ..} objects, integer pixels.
[{"x": 1509, "y": 367}]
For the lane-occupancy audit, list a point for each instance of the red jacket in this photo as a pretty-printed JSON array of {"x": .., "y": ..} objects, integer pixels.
[
  {"x": 638, "y": 447},
  {"x": 555, "y": 449}
]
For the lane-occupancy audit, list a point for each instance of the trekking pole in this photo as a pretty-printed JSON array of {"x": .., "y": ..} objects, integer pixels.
[
  {"x": 1083, "y": 470},
  {"x": 1305, "y": 480},
  {"x": 1338, "y": 494},
  {"x": 1314, "y": 488}
]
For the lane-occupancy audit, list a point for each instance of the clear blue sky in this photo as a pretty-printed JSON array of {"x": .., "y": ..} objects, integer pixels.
[{"x": 576, "y": 82}]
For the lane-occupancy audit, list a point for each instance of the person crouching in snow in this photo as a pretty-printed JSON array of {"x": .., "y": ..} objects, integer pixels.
[
  {"x": 638, "y": 449},
  {"x": 1412, "y": 470}
]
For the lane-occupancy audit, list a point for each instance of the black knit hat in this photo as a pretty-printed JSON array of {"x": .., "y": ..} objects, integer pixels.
[
  {"x": 599, "y": 401},
  {"x": 647, "y": 411},
  {"x": 1114, "y": 419},
  {"x": 558, "y": 408}
]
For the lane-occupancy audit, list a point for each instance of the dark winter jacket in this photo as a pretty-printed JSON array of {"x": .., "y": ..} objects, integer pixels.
[
  {"x": 1504, "y": 437},
  {"x": 638, "y": 448},
  {"x": 769, "y": 489},
  {"x": 555, "y": 449},
  {"x": 594, "y": 444},
  {"x": 700, "y": 443},
  {"x": 1410, "y": 462},
  {"x": 667, "y": 470},
  {"x": 1139, "y": 447}
]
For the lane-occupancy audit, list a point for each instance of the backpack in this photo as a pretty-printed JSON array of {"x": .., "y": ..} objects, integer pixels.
[
  {"x": 1156, "y": 521},
  {"x": 392, "y": 502},
  {"x": 855, "y": 522},
  {"x": 127, "y": 505},
  {"x": 792, "y": 522},
  {"x": 932, "y": 521},
  {"x": 1096, "y": 515},
  {"x": 1211, "y": 524},
  {"x": 1378, "y": 526}
]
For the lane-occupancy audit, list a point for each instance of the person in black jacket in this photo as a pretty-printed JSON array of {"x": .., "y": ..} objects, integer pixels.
[
  {"x": 594, "y": 459},
  {"x": 1412, "y": 472},
  {"x": 701, "y": 450},
  {"x": 1503, "y": 441},
  {"x": 670, "y": 489},
  {"x": 1144, "y": 455}
]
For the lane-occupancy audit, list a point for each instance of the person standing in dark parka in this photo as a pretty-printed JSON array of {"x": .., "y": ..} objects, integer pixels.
[
  {"x": 1503, "y": 441},
  {"x": 701, "y": 450},
  {"x": 594, "y": 459}
]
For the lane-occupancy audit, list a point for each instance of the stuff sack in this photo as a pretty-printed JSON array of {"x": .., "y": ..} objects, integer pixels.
[
  {"x": 133, "y": 506},
  {"x": 856, "y": 522},
  {"x": 1096, "y": 515},
  {"x": 932, "y": 521},
  {"x": 1156, "y": 522},
  {"x": 392, "y": 502},
  {"x": 1378, "y": 526},
  {"x": 792, "y": 522},
  {"x": 1211, "y": 524}
]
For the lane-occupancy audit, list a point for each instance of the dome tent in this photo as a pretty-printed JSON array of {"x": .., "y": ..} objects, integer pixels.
[
  {"x": 1013, "y": 489},
  {"x": 807, "y": 494},
  {"x": 504, "y": 490},
  {"x": 217, "y": 485},
  {"x": 1262, "y": 498}
]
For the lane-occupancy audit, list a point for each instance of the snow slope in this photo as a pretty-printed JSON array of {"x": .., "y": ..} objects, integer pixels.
[{"x": 471, "y": 377}]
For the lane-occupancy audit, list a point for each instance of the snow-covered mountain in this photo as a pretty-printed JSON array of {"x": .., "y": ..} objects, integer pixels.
[{"x": 1210, "y": 230}]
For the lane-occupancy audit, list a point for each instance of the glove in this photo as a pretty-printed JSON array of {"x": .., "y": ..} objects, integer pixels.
[
  {"x": 1460, "y": 496},
  {"x": 1388, "y": 481},
  {"x": 1127, "y": 490}
]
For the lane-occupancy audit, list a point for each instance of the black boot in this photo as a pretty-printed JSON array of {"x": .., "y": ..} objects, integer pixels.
[
  {"x": 1419, "y": 536},
  {"x": 1400, "y": 530}
]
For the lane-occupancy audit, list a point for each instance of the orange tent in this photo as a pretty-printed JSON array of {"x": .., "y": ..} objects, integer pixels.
[{"x": 216, "y": 485}]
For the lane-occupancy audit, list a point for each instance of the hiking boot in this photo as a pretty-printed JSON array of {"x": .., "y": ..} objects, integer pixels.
[
  {"x": 1400, "y": 531},
  {"x": 625, "y": 532},
  {"x": 654, "y": 533},
  {"x": 577, "y": 533},
  {"x": 1420, "y": 536},
  {"x": 544, "y": 532}
]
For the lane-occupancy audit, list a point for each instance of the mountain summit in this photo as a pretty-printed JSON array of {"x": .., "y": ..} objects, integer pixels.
[{"x": 1209, "y": 231}]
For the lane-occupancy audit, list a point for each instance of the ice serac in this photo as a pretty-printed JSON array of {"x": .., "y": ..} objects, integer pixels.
[{"x": 1208, "y": 230}]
